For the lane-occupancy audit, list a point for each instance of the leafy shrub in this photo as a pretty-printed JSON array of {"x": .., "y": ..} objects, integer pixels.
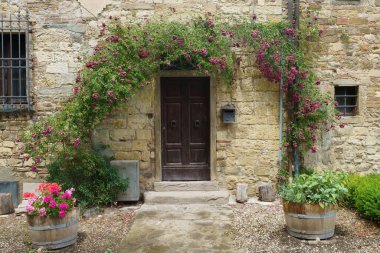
[
  {"x": 364, "y": 194},
  {"x": 319, "y": 187},
  {"x": 95, "y": 181}
]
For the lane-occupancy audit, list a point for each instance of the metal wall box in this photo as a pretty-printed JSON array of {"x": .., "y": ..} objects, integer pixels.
[
  {"x": 228, "y": 114},
  {"x": 10, "y": 187},
  {"x": 129, "y": 169}
]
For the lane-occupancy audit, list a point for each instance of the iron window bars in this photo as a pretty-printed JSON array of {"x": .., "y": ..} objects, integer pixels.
[
  {"x": 15, "y": 63},
  {"x": 346, "y": 96}
]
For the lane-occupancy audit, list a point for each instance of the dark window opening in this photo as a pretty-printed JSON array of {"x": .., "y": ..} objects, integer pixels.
[
  {"x": 13, "y": 67},
  {"x": 346, "y": 96}
]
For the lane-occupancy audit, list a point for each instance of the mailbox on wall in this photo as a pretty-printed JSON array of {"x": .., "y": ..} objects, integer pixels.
[{"x": 228, "y": 114}]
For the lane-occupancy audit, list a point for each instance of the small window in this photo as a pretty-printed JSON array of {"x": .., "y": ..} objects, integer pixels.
[
  {"x": 14, "y": 63},
  {"x": 346, "y": 96}
]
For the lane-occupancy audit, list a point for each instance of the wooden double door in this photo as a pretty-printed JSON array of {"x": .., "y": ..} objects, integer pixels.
[{"x": 185, "y": 122}]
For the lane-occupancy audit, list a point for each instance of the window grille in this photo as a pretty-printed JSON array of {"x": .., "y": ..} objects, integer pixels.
[
  {"x": 346, "y": 96},
  {"x": 15, "y": 63}
]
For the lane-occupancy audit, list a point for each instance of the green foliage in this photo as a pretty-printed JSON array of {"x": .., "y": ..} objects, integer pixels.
[
  {"x": 95, "y": 181},
  {"x": 129, "y": 55},
  {"x": 325, "y": 188},
  {"x": 364, "y": 194}
]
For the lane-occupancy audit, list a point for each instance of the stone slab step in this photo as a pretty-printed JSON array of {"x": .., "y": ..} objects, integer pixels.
[
  {"x": 191, "y": 228},
  {"x": 187, "y": 197},
  {"x": 186, "y": 212},
  {"x": 185, "y": 186}
]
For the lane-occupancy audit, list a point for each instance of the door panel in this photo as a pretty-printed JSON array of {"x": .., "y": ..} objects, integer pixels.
[
  {"x": 185, "y": 128},
  {"x": 173, "y": 123}
]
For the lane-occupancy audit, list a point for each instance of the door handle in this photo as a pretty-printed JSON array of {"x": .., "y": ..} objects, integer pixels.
[
  {"x": 173, "y": 123},
  {"x": 197, "y": 124}
]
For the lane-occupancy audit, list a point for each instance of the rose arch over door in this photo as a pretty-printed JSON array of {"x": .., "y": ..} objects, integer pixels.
[{"x": 185, "y": 121}]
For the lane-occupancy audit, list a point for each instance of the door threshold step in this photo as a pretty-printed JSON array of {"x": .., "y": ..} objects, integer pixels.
[
  {"x": 166, "y": 186},
  {"x": 187, "y": 197}
]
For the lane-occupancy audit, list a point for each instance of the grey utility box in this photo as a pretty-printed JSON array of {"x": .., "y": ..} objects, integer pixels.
[
  {"x": 129, "y": 169},
  {"x": 10, "y": 187},
  {"x": 228, "y": 114}
]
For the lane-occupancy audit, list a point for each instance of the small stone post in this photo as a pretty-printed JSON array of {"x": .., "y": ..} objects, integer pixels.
[
  {"x": 6, "y": 204},
  {"x": 266, "y": 193},
  {"x": 241, "y": 192}
]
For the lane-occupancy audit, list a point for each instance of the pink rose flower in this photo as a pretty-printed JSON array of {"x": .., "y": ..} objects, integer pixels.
[
  {"x": 62, "y": 214},
  {"x": 76, "y": 143},
  {"x": 75, "y": 90},
  {"x": 66, "y": 195},
  {"x": 47, "y": 198},
  {"x": 37, "y": 159},
  {"x": 42, "y": 212},
  {"x": 63, "y": 206},
  {"x": 96, "y": 96},
  {"x": 29, "y": 208},
  {"x": 52, "y": 204},
  {"x": 143, "y": 54}
]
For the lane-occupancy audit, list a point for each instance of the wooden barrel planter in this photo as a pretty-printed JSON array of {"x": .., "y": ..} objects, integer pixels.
[
  {"x": 309, "y": 221},
  {"x": 54, "y": 232}
]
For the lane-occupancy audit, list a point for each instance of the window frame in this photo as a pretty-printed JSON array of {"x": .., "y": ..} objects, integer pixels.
[
  {"x": 15, "y": 69},
  {"x": 345, "y": 96}
]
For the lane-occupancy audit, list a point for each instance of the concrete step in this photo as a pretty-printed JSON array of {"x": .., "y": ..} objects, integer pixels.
[
  {"x": 166, "y": 186},
  {"x": 187, "y": 197}
]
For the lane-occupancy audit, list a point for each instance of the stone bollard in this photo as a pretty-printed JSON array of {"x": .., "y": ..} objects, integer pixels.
[
  {"x": 266, "y": 193},
  {"x": 241, "y": 192},
  {"x": 6, "y": 204}
]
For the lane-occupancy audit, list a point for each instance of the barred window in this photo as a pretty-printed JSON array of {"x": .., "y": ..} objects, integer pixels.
[
  {"x": 14, "y": 63},
  {"x": 346, "y": 96}
]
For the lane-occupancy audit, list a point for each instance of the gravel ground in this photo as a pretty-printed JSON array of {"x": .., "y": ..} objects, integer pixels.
[
  {"x": 256, "y": 228},
  {"x": 96, "y": 234},
  {"x": 259, "y": 228}
]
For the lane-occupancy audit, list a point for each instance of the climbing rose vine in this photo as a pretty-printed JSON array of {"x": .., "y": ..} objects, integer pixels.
[{"x": 129, "y": 54}]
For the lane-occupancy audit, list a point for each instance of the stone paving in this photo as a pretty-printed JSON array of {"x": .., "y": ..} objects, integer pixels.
[{"x": 190, "y": 228}]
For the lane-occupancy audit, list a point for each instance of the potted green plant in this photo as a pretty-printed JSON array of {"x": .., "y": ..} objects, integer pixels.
[
  {"x": 52, "y": 217},
  {"x": 310, "y": 204}
]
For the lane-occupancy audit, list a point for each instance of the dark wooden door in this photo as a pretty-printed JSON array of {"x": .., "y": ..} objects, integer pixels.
[{"x": 185, "y": 128}]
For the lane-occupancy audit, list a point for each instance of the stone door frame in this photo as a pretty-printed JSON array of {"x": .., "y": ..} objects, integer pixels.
[{"x": 157, "y": 119}]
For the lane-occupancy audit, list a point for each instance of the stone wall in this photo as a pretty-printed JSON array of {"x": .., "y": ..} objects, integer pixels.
[
  {"x": 247, "y": 151},
  {"x": 63, "y": 33},
  {"x": 351, "y": 56}
]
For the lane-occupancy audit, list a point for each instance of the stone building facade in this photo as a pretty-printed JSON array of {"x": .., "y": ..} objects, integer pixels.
[{"x": 63, "y": 32}]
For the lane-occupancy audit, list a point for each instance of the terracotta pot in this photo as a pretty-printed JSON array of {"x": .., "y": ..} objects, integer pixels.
[
  {"x": 54, "y": 232},
  {"x": 309, "y": 221}
]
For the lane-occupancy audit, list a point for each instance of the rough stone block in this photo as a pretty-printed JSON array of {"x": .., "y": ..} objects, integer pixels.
[
  {"x": 266, "y": 193},
  {"x": 30, "y": 187},
  {"x": 58, "y": 68},
  {"x": 6, "y": 204},
  {"x": 144, "y": 134},
  {"x": 241, "y": 192},
  {"x": 342, "y": 21},
  {"x": 9, "y": 144},
  {"x": 358, "y": 21},
  {"x": 139, "y": 145},
  {"x": 187, "y": 197},
  {"x": 5, "y": 151},
  {"x": 132, "y": 155},
  {"x": 168, "y": 186},
  {"x": 129, "y": 170},
  {"x": 12, "y": 188},
  {"x": 122, "y": 134}
]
